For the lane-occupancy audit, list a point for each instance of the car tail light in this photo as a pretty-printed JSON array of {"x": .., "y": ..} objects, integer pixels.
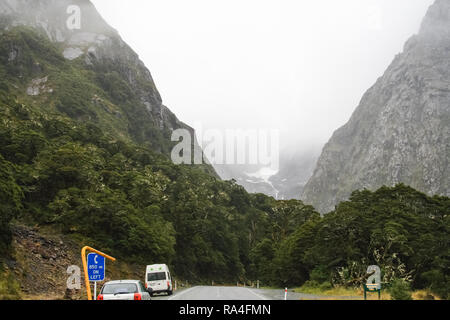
[
  {"x": 146, "y": 286},
  {"x": 137, "y": 296},
  {"x": 100, "y": 297},
  {"x": 168, "y": 284}
]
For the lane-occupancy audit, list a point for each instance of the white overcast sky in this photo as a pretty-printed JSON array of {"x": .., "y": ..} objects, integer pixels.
[{"x": 298, "y": 66}]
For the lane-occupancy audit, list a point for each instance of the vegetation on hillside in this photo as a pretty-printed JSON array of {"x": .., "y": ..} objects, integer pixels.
[
  {"x": 402, "y": 230},
  {"x": 136, "y": 204}
]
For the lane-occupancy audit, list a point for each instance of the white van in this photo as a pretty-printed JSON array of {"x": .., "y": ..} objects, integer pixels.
[{"x": 157, "y": 277}]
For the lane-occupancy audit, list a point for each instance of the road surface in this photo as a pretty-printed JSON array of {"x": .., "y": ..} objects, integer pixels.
[{"x": 205, "y": 293}]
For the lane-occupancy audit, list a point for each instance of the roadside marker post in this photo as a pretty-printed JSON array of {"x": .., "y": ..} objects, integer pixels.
[
  {"x": 285, "y": 294},
  {"x": 98, "y": 260}
]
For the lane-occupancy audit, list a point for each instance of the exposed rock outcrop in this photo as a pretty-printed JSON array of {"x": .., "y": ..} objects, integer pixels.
[
  {"x": 100, "y": 47},
  {"x": 400, "y": 133}
]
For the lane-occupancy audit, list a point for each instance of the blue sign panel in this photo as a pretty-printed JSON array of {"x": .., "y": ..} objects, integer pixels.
[{"x": 96, "y": 267}]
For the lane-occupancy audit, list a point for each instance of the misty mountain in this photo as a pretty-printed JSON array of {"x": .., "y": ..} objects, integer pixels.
[
  {"x": 400, "y": 132},
  {"x": 131, "y": 106},
  {"x": 295, "y": 169},
  {"x": 84, "y": 142}
]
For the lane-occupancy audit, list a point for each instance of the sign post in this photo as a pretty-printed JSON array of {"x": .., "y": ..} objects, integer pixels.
[
  {"x": 94, "y": 268},
  {"x": 373, "y": 282}
]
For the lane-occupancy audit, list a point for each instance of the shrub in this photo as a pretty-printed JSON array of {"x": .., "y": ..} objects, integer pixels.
[
  {"x": 438, "y": 283},
  {"x": 320, "y": 275},
  {"x": 9, "y": 287},
  {"x": 400, "y": 290}
]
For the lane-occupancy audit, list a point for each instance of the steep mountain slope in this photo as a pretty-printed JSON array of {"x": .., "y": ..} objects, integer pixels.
[
  {"x": 401, "y": 130},
  {"x": 95, "y": 75}
]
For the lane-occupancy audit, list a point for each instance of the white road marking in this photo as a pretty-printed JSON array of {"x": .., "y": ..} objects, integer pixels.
[
  {"x": 259, "y": 296},
  {"x": 180, "y": 294}
]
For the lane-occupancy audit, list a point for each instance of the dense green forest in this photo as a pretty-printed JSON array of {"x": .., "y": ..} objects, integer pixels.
[
  {"x": 126, "y": 199},
  {"x": 75, "y": 173}
]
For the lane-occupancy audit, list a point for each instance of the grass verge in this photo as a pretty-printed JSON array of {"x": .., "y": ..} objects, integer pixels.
[{"x": 9, "y": 287}]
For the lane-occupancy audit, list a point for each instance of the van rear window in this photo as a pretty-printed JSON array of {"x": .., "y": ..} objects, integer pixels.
[
  {"x": 156, "y": 276},
  {"x": 120, "y": 288}
]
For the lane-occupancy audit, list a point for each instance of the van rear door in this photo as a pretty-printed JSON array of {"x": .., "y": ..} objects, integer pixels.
[{"x": 157, "y": 280}]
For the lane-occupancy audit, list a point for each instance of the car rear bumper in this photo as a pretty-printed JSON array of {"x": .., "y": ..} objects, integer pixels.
[{"x": 160, "y": 291}]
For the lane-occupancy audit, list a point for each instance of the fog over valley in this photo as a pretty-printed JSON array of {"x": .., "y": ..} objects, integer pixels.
[{"x": 300, "y": 67}]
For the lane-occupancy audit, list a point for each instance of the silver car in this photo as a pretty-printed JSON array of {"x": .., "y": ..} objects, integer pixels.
[{"x": 124, "y": 290}]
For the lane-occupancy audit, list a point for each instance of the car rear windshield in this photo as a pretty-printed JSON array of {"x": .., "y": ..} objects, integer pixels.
[
  {"x": 120, "y": 288},
  {"x": 156, "y": 276}
]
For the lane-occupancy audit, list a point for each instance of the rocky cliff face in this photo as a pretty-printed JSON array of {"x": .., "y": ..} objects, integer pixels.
[
  {"x": 400, "y": 133},
  {"x": 98, "y": 47}
]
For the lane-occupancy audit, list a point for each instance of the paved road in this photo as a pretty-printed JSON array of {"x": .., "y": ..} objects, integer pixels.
[
  {"x": 236, "y": 293},
  {"x": 214, "y": 293}
]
